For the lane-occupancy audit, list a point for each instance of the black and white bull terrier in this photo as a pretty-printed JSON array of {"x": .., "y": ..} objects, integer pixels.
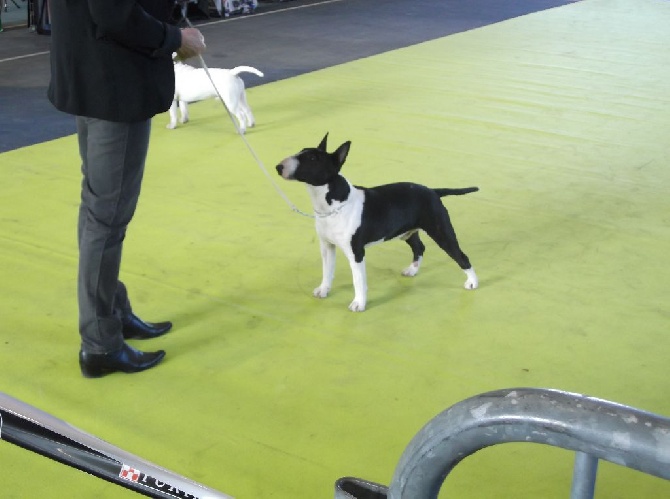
[{"x": 353, "y": 217}]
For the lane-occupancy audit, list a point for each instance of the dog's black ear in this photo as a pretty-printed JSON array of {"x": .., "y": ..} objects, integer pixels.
[
  {"x": 341, "y": 153},
  {"x": 323, "y": 144}
]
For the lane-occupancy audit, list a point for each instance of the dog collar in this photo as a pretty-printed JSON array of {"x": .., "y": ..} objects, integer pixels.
[{"x": 335, "y": 211}]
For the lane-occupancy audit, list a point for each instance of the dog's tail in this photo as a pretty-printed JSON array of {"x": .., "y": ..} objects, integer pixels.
[
  {"x": 455, "y": 192},
  {"x": 246, "y": 69}
]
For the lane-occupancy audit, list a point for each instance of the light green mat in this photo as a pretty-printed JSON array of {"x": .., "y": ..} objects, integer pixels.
[{"x": 562, "y": 118}]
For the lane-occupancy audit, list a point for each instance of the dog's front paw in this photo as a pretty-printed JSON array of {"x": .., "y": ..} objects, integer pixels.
[
  {"x": 470, "y": 284},
  {"x": 412, "y": 270},
  {"x": 321, "y": 292},
  {"x": 171, "y": 126},
  {"x": 357, "y": 306}
]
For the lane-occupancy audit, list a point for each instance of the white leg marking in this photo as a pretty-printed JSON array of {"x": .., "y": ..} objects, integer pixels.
[
  {"x": 413, "y": 269},
  {"x": 471, "y": 282},
  {"x": 328, "y": 269},
  {"x": 360, "y": 285}
]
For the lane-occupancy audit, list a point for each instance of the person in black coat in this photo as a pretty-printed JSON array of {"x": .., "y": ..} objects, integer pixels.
[{"x": 111, "y": 67}]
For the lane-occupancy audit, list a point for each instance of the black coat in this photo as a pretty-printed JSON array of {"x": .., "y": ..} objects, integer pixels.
[{"x": 112, "y": 60}]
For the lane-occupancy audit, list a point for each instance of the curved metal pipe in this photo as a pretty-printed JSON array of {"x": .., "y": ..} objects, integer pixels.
[{"x": 613, "y": 432}]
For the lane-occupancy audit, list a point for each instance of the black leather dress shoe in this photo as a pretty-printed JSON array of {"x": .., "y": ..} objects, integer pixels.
[
  {"x": 127, "y": 360},
  {"x": 135, "y": 328}
]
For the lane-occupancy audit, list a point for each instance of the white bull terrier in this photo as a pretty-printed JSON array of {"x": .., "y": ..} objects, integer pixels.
[
  {"x": 193, "y": 85},
  {"x": 352, "y": 217}
]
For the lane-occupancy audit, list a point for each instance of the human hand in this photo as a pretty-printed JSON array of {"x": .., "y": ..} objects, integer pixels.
[{"x": 192, "y": 43}]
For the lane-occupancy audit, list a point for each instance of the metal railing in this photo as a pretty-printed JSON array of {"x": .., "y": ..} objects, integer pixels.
[
  {"x": 38, "y": 431},
  {"x": 593, "y": 428}
]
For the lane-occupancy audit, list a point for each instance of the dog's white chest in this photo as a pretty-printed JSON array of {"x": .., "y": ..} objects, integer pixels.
[{"x": 337, "y": 222}]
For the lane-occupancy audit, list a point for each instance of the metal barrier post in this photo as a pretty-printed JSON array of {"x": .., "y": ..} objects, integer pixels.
[
  {"x": 584, "y": 476},
  {"x": 594, "y": 428}
]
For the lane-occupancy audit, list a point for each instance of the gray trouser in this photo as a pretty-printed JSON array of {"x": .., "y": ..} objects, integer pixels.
[{"x": 113, "y": 156}]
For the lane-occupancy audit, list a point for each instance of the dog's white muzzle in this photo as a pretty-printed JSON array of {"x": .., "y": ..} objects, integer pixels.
[{"x": 287, "y": 168}]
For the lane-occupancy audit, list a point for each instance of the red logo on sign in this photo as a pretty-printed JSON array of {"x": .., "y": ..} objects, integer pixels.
[{"x": 129, "y": 473}]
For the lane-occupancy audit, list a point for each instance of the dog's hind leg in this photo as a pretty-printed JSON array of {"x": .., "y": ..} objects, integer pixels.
[
  {"x": 238, "y": 113},
  {"x": 183, "y": 108},
  {"x": 246, "y": 111},
  {"x": 442, "y": 232},
  {"x": 173, "y": 116},
  {"x": 328, "y": 267},
  {"x": 417, "y": 254},
  {"x": 241, "y": 121}
]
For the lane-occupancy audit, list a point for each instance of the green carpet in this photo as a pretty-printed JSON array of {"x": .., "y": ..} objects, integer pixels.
[{"x": 562, "y": 119}]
